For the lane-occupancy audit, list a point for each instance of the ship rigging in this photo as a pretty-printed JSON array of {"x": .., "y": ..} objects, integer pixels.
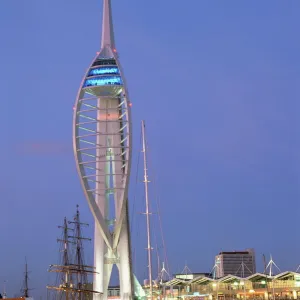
[{"x": 72, "y": 274}]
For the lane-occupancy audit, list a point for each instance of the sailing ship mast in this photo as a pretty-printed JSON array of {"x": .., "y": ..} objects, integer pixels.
[
  {"x": 66, "y": 285},
  {"x": 147, "y": 213},
  {"x": 74, "y": 273},
  {"x": 66, "y": 276},
  {"x": 79, "y": 257}
]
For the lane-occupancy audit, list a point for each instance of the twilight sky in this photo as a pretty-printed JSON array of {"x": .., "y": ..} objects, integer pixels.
[{"x": 218, "y": 83}]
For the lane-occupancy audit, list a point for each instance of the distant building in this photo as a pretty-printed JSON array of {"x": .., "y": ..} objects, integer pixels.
[{"x": 239, "y": 263}]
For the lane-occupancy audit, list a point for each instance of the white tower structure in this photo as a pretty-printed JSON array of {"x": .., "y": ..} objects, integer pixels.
[{"x": 102, "y": 148}]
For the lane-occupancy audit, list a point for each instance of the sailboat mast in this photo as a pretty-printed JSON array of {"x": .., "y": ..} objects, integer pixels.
[
  {"x": 66, "y": 274},
  {"x": 243, "y": 275},
  {"x": 265, "y": 272},
  {"x": 147, "y": 213},
  {"x": 26, "y": 289},
  {"x": 4, "y": 290},
  {"x": 66, "y": 254}
]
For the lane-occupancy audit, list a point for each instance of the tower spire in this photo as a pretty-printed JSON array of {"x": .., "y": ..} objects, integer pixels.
[{"x": 107, "y": 26}]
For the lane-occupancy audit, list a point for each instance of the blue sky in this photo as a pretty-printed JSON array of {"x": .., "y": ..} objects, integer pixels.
[{"x": 218, "y": 83}]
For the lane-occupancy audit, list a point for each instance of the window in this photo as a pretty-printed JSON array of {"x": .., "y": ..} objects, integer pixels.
[
  {"x": 103, "y": 71},
  {"x": 104, "y": 80},
  {"x": 105, "y": 62}
]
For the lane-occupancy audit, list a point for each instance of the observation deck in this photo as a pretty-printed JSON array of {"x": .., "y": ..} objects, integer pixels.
[{"x": 103, "y": 78}]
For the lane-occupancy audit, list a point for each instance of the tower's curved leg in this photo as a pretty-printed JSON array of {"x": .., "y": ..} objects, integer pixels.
[{"x": 125, "y": 263}]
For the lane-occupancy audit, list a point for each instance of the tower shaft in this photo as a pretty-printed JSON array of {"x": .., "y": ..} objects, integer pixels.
[{"x": 111, "y": 200}]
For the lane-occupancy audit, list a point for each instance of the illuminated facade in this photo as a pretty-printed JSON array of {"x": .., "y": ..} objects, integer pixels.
[
  {"x": 102, "y": 148},
  {"x": 285, "y": 285}
]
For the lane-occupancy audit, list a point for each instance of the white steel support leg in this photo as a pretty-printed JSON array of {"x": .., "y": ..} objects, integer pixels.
[
  {"x": 124, "y": 270},
  {"x": 99, "y": 251}
]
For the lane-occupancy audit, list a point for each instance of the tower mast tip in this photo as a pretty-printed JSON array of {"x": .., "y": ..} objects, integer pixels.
[{"x": 108, "y": 39}]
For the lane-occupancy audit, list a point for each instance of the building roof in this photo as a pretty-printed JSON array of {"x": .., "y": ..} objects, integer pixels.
[
  {"x": 231, "y": 278},
  {"x": 194, "y": 274},
  {"x": 175, "y": 281},
  {"x": 285, "y": 275},
  {"x": 201, "y": 279},
  {"x": 258, "y": 277},
  {"x": 234, "y": 252}
]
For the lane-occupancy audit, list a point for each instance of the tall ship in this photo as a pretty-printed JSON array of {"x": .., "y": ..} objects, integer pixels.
[{"x": 73, "y": 275}]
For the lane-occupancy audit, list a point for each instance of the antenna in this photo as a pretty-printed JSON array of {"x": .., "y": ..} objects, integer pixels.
[
  {"x": 147, "y": 213},
  {"x": 107, "y": 26}
]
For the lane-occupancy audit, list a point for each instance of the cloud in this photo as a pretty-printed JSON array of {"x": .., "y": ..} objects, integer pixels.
[{"x": 44, "y": 148}]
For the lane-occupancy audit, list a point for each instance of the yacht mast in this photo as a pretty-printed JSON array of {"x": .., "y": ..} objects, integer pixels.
[
  {"x": 4, "y": 290},
  {"x": 25, "y": 284},
  {"x": 147, "y": 213}
]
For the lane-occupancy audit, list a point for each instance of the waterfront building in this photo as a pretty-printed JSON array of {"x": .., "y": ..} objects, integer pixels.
[
  {"x": 241, "y": 263},
  {"x": 258, "y": 286}
]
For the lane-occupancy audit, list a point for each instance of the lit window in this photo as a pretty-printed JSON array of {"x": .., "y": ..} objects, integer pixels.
[
  {"x": 103, "y": 71},
  {"x": 98, "y": 81}
]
